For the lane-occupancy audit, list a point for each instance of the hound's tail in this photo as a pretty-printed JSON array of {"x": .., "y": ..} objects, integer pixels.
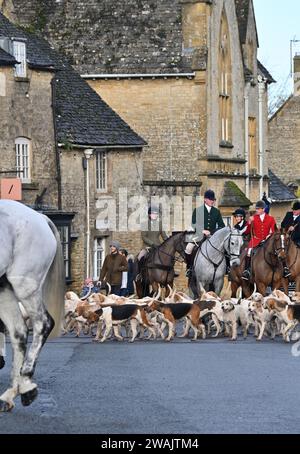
[{"x": 54, "y": 286}]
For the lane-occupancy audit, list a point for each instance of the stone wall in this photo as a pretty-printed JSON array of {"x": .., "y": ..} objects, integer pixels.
[
  {"x": 170, "y": 115},
  {"x": 284, "y": 142},
  {"x": 124, "y": 172},
  {"x": 26, "y": 112}
]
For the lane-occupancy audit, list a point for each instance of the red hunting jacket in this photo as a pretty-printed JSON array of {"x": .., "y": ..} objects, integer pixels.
[{"x": 260, "y": 230}]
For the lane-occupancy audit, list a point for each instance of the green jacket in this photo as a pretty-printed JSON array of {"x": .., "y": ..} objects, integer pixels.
[
  {"x": 203, "y": 220},
  {"x": 153, "y": 234}
]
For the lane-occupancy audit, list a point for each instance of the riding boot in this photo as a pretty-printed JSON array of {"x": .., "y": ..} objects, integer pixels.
[
  {"x": 228, "y": 268},
  {"x": 286, "y": 270},
  {"x": 189, "y": 259},
  {"x": 247, "y": 272}
]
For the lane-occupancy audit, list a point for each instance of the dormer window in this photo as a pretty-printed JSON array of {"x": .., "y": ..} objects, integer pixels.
[{"x": 19, "y": 52}]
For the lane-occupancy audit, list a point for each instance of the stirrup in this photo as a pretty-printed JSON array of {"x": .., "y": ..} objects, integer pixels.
[
  {"x": 189, "y": 272},
  {"x": 246, "y": 275},
  {"x": 286, "y": 272}
]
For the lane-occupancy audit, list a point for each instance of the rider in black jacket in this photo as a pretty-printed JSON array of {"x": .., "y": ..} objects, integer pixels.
[{"x": 291, "y": 223}]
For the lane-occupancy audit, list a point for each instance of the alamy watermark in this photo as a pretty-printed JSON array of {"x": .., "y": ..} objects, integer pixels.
[{"x": 130, "y": 213}]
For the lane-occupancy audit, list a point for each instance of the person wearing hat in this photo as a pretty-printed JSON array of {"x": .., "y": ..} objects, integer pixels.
[
  {"x": 113, "y": 267},
  {"x": 153, "y": 234},
  {"x": 240, "y": 220},
  {"x": 291, "y": 223},
  {"x": 206, "y": 220},
  {"x": 261, "y": 226}
]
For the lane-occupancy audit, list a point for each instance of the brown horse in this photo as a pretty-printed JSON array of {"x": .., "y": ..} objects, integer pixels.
[
  {"x": 293, "y": 260},
  {"x": 157, "y": 267},
  {"x": 267, "y": 268}
]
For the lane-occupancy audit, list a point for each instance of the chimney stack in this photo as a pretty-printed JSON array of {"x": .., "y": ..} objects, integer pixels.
[{"x": 297, "y": 75}]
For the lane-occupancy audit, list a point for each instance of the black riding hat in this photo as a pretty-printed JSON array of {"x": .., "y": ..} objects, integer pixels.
[
  {"x": 260, "y": 204},
  {"x": 240, "y": 212},
  {"x": 210, "y": 195},
  {"x": 296, "y": 206}
]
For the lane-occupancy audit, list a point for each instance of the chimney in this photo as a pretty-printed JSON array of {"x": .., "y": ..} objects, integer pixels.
[{"x": 297, "y": 75}]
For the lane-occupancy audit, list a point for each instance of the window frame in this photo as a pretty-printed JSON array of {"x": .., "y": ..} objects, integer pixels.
[
  {"x": 96, "y": 260},
  {"x": 21, "y": 57},
  {"x": 101, "y": 173},
  {"x": 21, "y": 142},
  {"x": 252, "y": 144}
]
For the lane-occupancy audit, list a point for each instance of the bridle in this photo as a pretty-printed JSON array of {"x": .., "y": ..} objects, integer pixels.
[{"x": 227, "y": 254}]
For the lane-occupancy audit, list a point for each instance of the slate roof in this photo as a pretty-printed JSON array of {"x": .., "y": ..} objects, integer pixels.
[
  {"x": 82, "y": 117},
  {"x": 242, "y": 12},
  {"x": 265, "y": 73},
  {"x": 136, "y": 37},
  {"x": 233, "y": 196},
  {"x": 278, "y": 191},
  {"x": 6, "y": 59}
]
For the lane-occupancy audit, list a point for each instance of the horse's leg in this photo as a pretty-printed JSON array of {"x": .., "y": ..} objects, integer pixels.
[
  {"x": 234, "y": 289},
  {"x": 2, "y": 344},
  {"x": 11, "y": 315},
  {"x": 42, "y": 325}
]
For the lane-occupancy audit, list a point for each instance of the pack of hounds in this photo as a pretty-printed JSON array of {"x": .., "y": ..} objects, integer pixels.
[{"x": 158, "y": 317}]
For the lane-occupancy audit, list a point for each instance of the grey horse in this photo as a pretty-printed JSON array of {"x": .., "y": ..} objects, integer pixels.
[{"x": 210, "y": 261}]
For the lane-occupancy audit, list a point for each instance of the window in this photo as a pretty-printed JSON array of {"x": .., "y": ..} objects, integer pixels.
[
  {"x": 99, "y": 256},
  {"x": 64, "y": 231},
  {"x": 225, "y": 95},
  {"x": 23, "y": 159},
  {"x": 253, "y": 164},
  {"x": 101, "y": 171},
  {"x": 19, "y": 52}
]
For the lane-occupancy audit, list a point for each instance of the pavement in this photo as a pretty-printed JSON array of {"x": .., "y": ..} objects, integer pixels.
[{"x": 211, "y": 386}]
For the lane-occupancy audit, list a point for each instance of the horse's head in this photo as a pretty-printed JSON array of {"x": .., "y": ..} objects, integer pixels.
[
  {"x": 278, "y": 244},
  {"x": 233, "y": 247},
  {"x": 180, "y": 243}
]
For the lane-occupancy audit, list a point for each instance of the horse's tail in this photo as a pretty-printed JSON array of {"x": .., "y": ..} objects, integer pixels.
[{"x": 54, "y": 285}]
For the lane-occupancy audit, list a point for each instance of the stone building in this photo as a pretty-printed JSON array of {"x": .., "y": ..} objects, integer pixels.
[
  {"x": 284, "y": 134},
  {"x": 183, "y": 73},
  {"x": 64, "y": 144}
]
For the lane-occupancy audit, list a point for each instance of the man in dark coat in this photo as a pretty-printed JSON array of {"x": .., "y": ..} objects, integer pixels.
[
  {"x": 113, "y": 267},
  {"x": 291, "y": 223},
  {"x": 206, "y": 220}
]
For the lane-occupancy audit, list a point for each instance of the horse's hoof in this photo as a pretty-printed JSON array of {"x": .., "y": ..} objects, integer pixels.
[
  {"x": 29, "y": 397},
  {"x": 5, "y": 406},
  {"x": 2, "y": 362}
]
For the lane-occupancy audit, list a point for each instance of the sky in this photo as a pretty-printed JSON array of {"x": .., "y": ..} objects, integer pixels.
[{"x": 278, "y": 22}]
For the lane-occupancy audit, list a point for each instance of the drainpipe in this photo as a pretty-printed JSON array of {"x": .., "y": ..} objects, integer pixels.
[
  {"x": 57, "y": 151},
  {"x": 88, "y": 154},
  {"x": 246, "y": 98},
  {"x": 261, "y": 91}
]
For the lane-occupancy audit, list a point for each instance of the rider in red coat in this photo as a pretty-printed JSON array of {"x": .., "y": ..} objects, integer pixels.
[{"x": 260, "y": 226}]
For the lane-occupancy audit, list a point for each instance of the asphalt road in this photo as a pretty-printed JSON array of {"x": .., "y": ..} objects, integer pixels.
[{"x": 212, "y": 386}]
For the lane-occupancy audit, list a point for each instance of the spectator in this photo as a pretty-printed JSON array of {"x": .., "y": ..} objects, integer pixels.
[
  {"x": 127, "y": 276},
  {"x": 113, "y": 267},
  {"x": 88, "y": 286}
]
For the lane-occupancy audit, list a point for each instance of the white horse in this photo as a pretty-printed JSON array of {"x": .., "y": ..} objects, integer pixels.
[
  {"x": 210, "y": 261},
  {"x": 31, "y": 272}
]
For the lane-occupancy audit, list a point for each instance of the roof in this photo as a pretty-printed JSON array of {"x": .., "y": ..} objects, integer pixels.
[
  {"x": 233, "y": 196},
  {"x": 35, "y": 56},
  {"x": 82, "y": 117},
  {"x": 265, "y": 73},
  {"x": 6, "y": 59},
  {"x": 278, "y": 191},
  {"x": 242, "y": 12},
  {"x": 137, "y": 37}
]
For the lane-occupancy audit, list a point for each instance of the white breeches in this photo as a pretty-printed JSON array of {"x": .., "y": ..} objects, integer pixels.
[{"x": 189, "y": 248}]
